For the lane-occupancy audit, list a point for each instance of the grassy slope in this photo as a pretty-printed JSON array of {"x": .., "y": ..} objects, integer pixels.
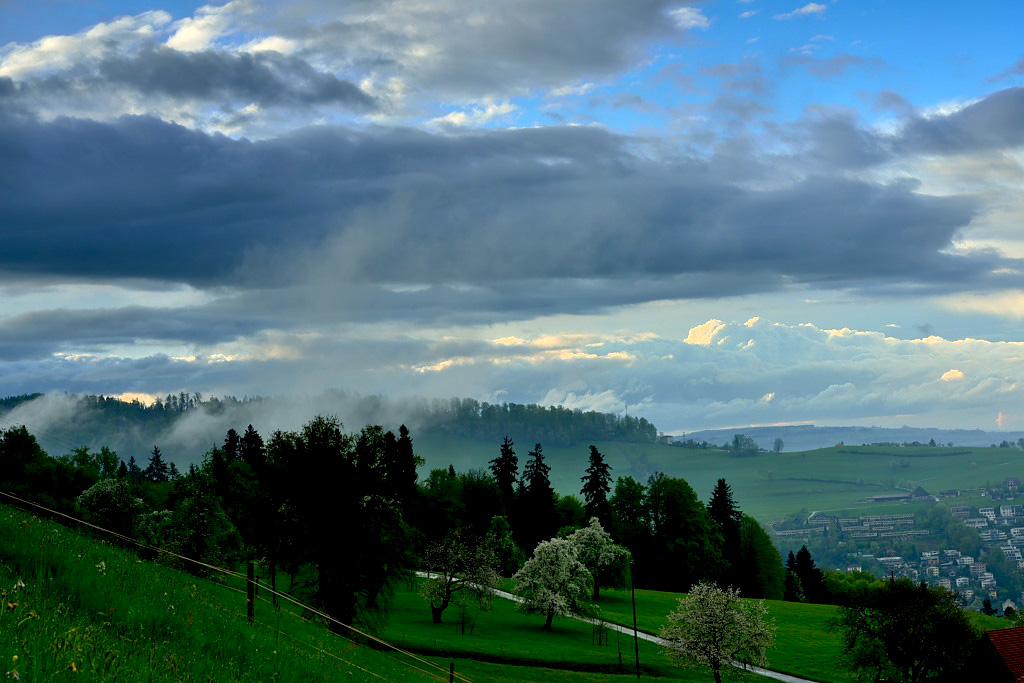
[
  {"x": 138, "y": 621},
  {"x": 767, "y": 486},
  {"x": 76, "y": 619}
]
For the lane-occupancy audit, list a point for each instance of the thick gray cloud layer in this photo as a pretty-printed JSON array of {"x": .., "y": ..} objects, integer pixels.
[
  {"x": 332, "y": 224},
  {"x": 142, "y": 198}
]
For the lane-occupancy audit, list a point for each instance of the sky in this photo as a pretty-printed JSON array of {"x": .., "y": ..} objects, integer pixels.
[{"x": 712, "y": 214}]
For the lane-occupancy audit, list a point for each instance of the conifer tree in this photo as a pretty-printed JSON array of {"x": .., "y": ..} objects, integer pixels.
[
  {"x": 231, "y": 444},
  {"x": 252, "y": 450},
  {"x": 811, "y": 578},
  {"x": 537, "y": 501},
  {"x": 134, "y": 471},
  {"x": 505, "y": 469},
  {"x": 157, "y": 470},
  {"x": 596, "y": 486},
  {"x": 726, "y": 514}
]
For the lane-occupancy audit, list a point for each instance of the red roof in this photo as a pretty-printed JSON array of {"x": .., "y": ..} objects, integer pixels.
[{"x": 1009, "y": 644}]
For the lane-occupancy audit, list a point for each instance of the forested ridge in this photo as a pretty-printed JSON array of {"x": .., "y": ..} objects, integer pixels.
[{"x": 187, "y": 424}]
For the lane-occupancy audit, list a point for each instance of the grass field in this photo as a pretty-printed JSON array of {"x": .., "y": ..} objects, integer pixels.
[
  {"x": 75, "y": 608},
  {"x": 507, "y": 634},
  {"x": 767, "y": 486}
]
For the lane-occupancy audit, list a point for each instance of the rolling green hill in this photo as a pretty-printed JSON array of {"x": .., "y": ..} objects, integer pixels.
[{"x": 768, "y": 485}]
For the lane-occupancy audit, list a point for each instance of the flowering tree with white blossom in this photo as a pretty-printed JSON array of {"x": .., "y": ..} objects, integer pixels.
[
  {"x": 554, "y": 581},
  {"x": 712, "y": 627}
]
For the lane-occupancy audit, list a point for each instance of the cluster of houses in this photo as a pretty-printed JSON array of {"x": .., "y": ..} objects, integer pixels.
[
  {"x": 865, "y": 528},
  {"x": 1001, "y": 526}
]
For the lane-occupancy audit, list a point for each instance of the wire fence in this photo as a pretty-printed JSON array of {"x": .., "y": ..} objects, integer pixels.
[{"x": 444, "y": 673}]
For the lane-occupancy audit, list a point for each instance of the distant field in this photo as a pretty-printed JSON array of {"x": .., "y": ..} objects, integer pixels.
[{"x": 767, "y": 486}]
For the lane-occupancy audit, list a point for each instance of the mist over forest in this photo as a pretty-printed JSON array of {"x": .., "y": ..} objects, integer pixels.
[{"x": 185, "y": 426}]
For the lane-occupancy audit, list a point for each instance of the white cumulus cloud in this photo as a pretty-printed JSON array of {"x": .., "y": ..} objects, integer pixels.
[{"x": 810, "y": 9}]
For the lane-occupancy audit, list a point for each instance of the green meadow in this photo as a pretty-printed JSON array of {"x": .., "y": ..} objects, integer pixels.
[
  {"x": 74, "y": 608},
  {"x": 77, "y": 608},
  {"x": 766, "y": 486}
]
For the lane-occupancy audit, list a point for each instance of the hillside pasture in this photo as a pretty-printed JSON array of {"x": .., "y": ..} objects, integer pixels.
[{"x": 768, "y": 486}]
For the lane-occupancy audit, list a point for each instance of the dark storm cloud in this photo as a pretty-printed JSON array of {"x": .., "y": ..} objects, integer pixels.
[
  {"x": 267, "y": 78},
  {"x": 221, "y": 78},
  {"x": 832, "y": 141},
  {"x": 388, "y": 223},
  {"x": 991, "y": 123},
  {"x": 41, "y": 333}
]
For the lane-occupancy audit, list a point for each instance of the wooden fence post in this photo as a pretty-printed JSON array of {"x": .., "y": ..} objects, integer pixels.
[{"x": 250, "y": 591}]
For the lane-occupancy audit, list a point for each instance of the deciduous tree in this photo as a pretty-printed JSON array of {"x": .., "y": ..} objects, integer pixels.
[
  {"x": 554, "y": 581},
  {"x": 607, "y": 562},
  {"x": 712, "y": 627},
  {"x": 686, "y": 544},
  {"x": 462, "y": 570},
  {"x": 906, "y": 632},
  {"x": 762, "y": 574}
]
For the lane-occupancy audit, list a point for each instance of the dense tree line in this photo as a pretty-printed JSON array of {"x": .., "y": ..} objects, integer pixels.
[
  {"x": 346, "y": 515},
  {"x": 553, "y": 425},
  {"x": 131, "y": 426}
]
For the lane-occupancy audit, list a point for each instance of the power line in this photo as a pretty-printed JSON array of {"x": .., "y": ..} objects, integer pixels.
[{"x": 238, "y": 575}]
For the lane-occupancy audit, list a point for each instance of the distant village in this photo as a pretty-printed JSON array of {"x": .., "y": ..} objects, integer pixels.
[{"x": 999, "y": 525}]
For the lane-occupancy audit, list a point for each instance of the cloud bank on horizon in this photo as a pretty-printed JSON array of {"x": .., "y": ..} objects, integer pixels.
[{"x": 535, "y": 202}]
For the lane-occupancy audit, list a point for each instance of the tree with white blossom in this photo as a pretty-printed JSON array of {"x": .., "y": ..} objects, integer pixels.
[
  {"x": 554, "y": 581},
  {"x": 607, "y": 562},
  {"x": 712, "y": 627}
]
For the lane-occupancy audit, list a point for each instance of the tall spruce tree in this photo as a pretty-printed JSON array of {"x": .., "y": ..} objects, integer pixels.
[
  {"x": 811, "y": 578},
  {"x": 231, "y": 446},
  {"x": 505, "y": 469},
  {"x": 252, "y": 450},
  {"x": 157, "y": 470},
  {"x": 596, "y": 487},
  {"x": 134, "y": 471},
  {"x": 538, "y": 521},
  {"x": 726, "y": 514}
]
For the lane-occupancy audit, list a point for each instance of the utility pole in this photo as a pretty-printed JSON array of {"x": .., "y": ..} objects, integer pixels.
[{"x": 636, "y": 637}]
